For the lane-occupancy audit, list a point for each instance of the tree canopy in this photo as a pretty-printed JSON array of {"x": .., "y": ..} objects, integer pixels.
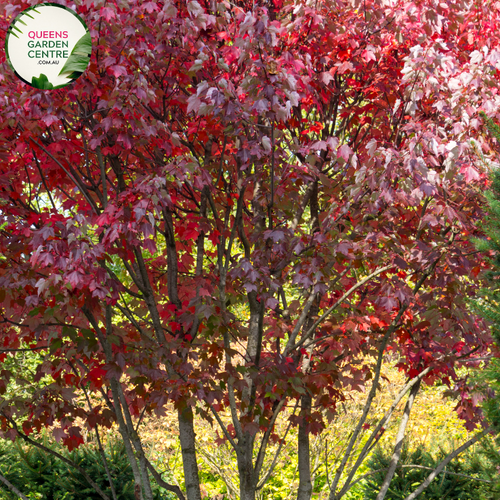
[{"x": 245, "y": 205}]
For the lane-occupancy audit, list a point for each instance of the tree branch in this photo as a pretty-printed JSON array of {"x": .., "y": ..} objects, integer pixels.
[
  {"x": 373, "y": 390},
  {"x": 12, "y": 488},
  {"x": 80, "y": 186},
  {"x": 265, "y": 439},
  {"x": 331, "y": 309},
  {"x": 445, "y": 462},
  {"x": 275, "y": 459},
  {"x": 169, "y": 487}
]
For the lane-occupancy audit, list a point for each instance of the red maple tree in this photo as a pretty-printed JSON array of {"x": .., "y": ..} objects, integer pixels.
[{"x": 238, "y": 205}]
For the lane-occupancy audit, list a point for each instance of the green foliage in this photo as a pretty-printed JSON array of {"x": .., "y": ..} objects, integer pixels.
[
  {"x": 31, "y": 467},
  {"x": 41, "y": 475},
  {"x": 490, "y": 451},
  {"x": 90, "y": 460},
  {"x": 475, "y": 464}
]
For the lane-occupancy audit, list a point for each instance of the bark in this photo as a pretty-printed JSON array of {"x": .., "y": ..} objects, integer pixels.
[
  {"x": 304, "y": 450},
  {"x": 188, "y": 448},
  {"x": 244, "y": 450},
  {"x": 399, "y": 442},
  {"x": 171, "y": 259},
  {"x": 245, "y": 467},
  {"x": 246, "y": 444}
]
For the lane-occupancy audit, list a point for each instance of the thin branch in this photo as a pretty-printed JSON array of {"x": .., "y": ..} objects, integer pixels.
[
  {"x": 445, "y": 462},
  {"x": 303, "y": 205},
  {"x": 103, "y": 177},
  {"x": 82, "y": 188},
  {"x": 302, "y": 319},
  {"x": 169, "y": 487},
  {"x": 273, "y": 464},
  {"x": 394, "y": 325},
  {"x": 43, "y": 180},
  {"x": 398, "y": 448},
  {"x": 99, "y": 443},
  {"x": 419, "y": 232},
  {"x": 331, "y": 309},
  {"x": 222, "y": 426},
  {"x": 217, "y": 466},
  {"x": 12, "y": 488},
  {"x": 376, "y": 434},
  {"x": 415, "y": 466},
  {"x": 265, "y": 439}
]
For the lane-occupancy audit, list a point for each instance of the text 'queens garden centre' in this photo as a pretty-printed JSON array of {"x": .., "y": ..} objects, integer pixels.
[{"x": 45, "y": 40}]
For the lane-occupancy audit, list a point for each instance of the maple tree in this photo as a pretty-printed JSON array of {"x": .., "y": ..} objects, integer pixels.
[{"x": 245, "y": 205}]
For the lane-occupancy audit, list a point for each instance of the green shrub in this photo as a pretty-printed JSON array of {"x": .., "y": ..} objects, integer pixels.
[
  {"x": 474, "y": 464},
  {"x": 40, "y": 475}
]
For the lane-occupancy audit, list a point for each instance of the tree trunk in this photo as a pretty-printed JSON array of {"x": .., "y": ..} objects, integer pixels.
[
  {"x": 188, "y": 448},
  {"x": 305, "y": 486},
  {"x": 246, "y": 469},
  {"x": 122, "y": 426},
  {"x": 304, "y": 453}
]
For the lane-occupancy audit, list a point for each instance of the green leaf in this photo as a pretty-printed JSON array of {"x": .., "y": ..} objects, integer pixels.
[
  {"x": 70, "y": 332},
  {"x": 79, "y": 57},
  {"x": 75, "y": 62},
  {"x": 42, "y": 82},
  {"x": 34, "y": 312},
  {"x": 56, "y": 344},
  {"x": 83, "y": 46}
]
